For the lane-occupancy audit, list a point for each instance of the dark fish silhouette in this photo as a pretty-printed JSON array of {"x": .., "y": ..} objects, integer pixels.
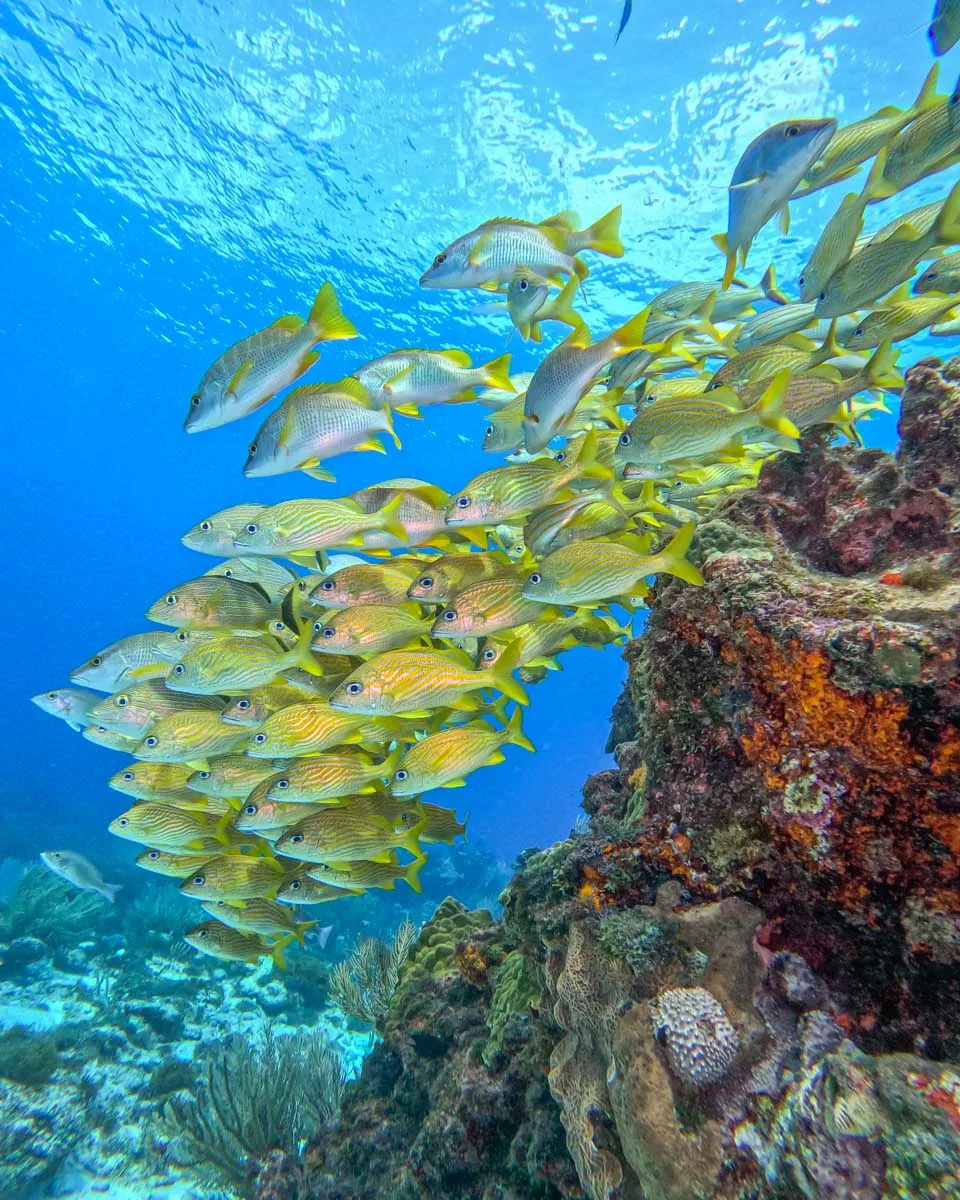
[{"x": 627, "y": 10}]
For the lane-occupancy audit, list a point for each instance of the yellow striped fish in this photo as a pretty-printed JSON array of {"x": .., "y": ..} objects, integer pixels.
[
  {"x": 166, "y": 828},
  {"x": 233, "y": 776},
  {"x": 445, "y": 759},
  {"x": 214, "y": 602},
  {"x": 371, "y": 629},
  {"x": 188, "y": 736},
  {"x": 110, "y": 739},
  {"x": 218, "y": 533},
  {"x": 134, "y": 711},
  {"x": 151, "y": 781},
  {"x": 172, "y": 864},
  {"x": 230, "y": 666},
  {"x": 258, "y": 916},
  {"x": 339, "y": 835},
  {"x": 303, "y": 890},
  {"x": 297, "y": 525},
  {"x": 363, "y": 583},
  {"x": 311, "y": 728},
  {"x": 487, "y": 607},
  {"x": 357, "y": 876},
  {"x": 329, "y": 776},
  {"x": 273, "y": 577},
  {"x": 442, "y": 578},
  {"x": 538, "y": 644},
  {"x": 231, "y": 945},
  {"x": 134, "y": 659},
  {"x": 234, "y": 877}
]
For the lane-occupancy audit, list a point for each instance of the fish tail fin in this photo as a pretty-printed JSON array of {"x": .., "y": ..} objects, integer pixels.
[
  {"x": 947, "y": 226},
  {"x": 769, "y": 285},
  {"x": 831, "y": 347},
  {"x": 391, "y": 762},
  {"x": 410, "y": 839},
  {"x": 326, "y": 318},
  {"x": 388, "y": 417},
  {"x": 875, "y": 188},
  {"x": 879, "y": 371},
  {"x": 302, "y": 928},
  {"x": 673, "y": 558},
  {"x": 501, "y": 677},
  {"x": 562, "y": 308},
  {"x": 581, "y": 270},
  {"x": 411, "y": 872},
  {"x": 109, "y": 892},
  {"x": 769, "y": 409},
  {"x": 723, "y": 245},
  {"x": 630, "y": 336},
  {"x": 515, "y": 734},
  {"x": 302, "y": 655},
  {"x": 603, "y": 236},
  {"x": 277, "y": 950},
  {"x": 388, "y": 519},
  {"x": 221, "y": 828},
  {"x": 927, "y": 96},
  {"x": 496, "y": 374},
  {"x": 586, "y": 462}
]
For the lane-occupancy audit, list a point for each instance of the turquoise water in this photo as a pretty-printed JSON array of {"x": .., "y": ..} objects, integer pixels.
[{"x": 176, "y": 175}]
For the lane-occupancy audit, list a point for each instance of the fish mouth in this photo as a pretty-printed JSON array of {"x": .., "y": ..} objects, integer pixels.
[{"x": 428, "y": 280}]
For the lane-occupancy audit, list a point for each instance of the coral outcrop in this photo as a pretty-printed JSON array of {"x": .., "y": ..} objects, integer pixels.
[{"x": 739, "y": 980}]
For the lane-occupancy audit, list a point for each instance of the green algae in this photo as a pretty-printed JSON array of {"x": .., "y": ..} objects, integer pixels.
[{"x": 517, "y": 988}]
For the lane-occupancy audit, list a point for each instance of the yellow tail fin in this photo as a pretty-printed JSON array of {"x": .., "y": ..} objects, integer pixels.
[
  {"x": 562, "y": 307},
  {"x": 411, "y": 872},
  {"x": 496, "y": 374},
  {"x": 879, "y": 371},
  {"x": 604, "y": 235},
  {"x": 672, "y": 560},
  {"x": 721, "y": 243},
  {"x": 515, "y": 734},
  {"x": 770, "y": 289},
  {"x": 947, "y": 227},
  {"x": 501, "y": 677},
  {"x": 326, "y": 319},
  {"x": 630, "y": 336},
  {"x": 388, "y": 519},
  {"x": 769, "y": 409},
  {"x": 277, "y": 949}
]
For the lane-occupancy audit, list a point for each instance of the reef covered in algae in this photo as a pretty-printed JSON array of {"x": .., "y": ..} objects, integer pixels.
[{"x": 739, "y": 979}]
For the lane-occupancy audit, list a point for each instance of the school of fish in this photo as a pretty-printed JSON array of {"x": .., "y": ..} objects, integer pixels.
[{"x": 349, "y": 656}]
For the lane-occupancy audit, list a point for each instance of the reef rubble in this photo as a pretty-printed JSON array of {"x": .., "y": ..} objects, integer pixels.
[{"x": 740, "y": 979}]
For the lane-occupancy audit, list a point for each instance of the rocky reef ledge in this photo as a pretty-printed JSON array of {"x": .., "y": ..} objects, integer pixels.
[{"x": 741, "y": 978}]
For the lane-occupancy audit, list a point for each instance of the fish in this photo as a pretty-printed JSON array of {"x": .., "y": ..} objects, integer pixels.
[
  {"x": 303, "y": 890},
  {"x": 232, "y": 665},
  {"x": 929, "y": 144},
  {"x": 163, "y": 827},
  {"x": 261, "y": 916},
  {"x": 385, "y": 582},
  {"x": 273, "y": 577},
  {"x": 853, "y": 145},
  {"x": 80, "y": 872},
  {"x": 942, "y": 276},
  {"x": 441, "y": 579},
  {"x": 189, "y": 736},
  {"x": 566, "y": 375},
  {"x": 338, "y": 835},
  {"x": 409, "y": 380},
  {"x": 700, "y": 425},
  {"x": 489, "y": 255},
  {"x": 251, "y": 372},
  {"x": 314, "y": 423},
  {"x": 254, "y": 707},
  {"x": 685, "y": 299},
  {"x": 883, "y": 266},
  {"x": 773, "y": 325},
  {"x": 72, "y": 705},
  {"x": 488, "y": 606},
  {"x": 142, "y": 656},
  {"x": 232, "y": 945},
  {"x": 516, "y": 491},
  {"x": 311, "y": 728},
  {"x": 944, "y": 31},
  {"x": 764, "y": 180},
  {"x": 763, "y": 362},
  {"x": 296, "y": 525},
  {"x": 110, "y": 739},
  {"x": 421, "y": 512},
  {"x": 593, "y": 572},
  {"x": 839, "y": 235},
  {"x": 171, "y": 864},
  {"x": 901, "y": 317},
  {"x": 216, "y": 534},
  {"x": 539, "y": 644},
  {"x": 358, "y": 876},
  {"x": 529, "y": 303},
  {"x": 151, "y": 780},
  {"x": 441, "y": 825},
  {"x": 234, "y": 877},
  {"x": 215, "y": 602},
  {"x": 259, "y": 815},
  {"x": 624, "y": 18},
  {"x": 445, "y": 759},
  {"x": 417, "y": 681},
  {"x": 329, "y": 776},
  {"x": 371, "y": 629},
  {"x": 231, "y": 776},
  {"x": 713, "y": 478},
  {"x": 135, "y": 711}
]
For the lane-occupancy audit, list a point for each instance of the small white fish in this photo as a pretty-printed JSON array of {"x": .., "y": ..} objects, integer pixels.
[{"x": 79, "y": 871}]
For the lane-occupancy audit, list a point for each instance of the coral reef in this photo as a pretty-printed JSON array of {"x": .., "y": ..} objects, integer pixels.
[
  {"x": 363, "y": 984},
  {"x": 737, "y": 980}
]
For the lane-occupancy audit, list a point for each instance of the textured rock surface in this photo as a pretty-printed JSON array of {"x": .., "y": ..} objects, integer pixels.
[{"x": 780, "y": 840}]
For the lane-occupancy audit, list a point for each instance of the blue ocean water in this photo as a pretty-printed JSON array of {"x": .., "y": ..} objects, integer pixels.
[{"x": 177, "y": 174}]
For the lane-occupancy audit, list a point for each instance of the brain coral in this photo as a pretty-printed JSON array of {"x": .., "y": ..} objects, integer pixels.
[{"x": 696, "y": 1035}]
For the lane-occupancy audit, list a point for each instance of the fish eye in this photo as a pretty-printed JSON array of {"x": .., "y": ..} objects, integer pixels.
[
  {"x": 150, "y": 741},
  {"x": 488, "y": 432},
  {"x": 282, "y": 784},
  {"x": 327, "y": 631},
  {"x": 489, "y": 655},
  {"x": 252, "y": 448},
  {"x": 354, "y": 689},
  {"x": 858, "y": 332},
  {"x": 181, "y": 635},
  {"x": 202, "y": 933},
  {"x": 426, "y": 581},
  {"x": 153, "y": 855},
  {"x": 203, "y": 774},
  {"x": 243, "y": 705},
  {"x": 450, "y": 614},
  {"x": 252, "y": 528},
  {"x": 439, "y": 260},
  {"x": 296, "y": 838},
  {"x": 463, "y": 502},
  {"x": 122, "y": 821},
  {"x": 822, "y": 296},
  {"x": 127, "y": 775},
  {"x": 205, "y": 526},
  {"x": 523, "y": 285},
  {"x": 179, "y": 669},
  {"x": 259, "y": 738},
  {"x": 560, "y": 456},
  {"x": 95, "y": 662},
  {"x": 296, "y": 885},
  {"x": 930, "y": 275},
  {"x": 172, "y": 598},
  {"x": 801, "y": 280},
  {"x": 328, "y": 585},
  {"x": 536, "y": 577},
  {"x": 250, "y": 810},
  {"x": 793, "y": 131},
  {"x": 678, "y": 484},
  {"x": 199, "y": 880},
  {"x": 195, "y": 400},
  {"x": 51, "y": 695},
  {"x": 57, "y": 854},
  {"x": 624, "y": 439},
  {"x": 401, "y": 775}
]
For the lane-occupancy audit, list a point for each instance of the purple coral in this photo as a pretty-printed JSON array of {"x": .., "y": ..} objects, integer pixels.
[{"x": 696, "y": 1035}]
